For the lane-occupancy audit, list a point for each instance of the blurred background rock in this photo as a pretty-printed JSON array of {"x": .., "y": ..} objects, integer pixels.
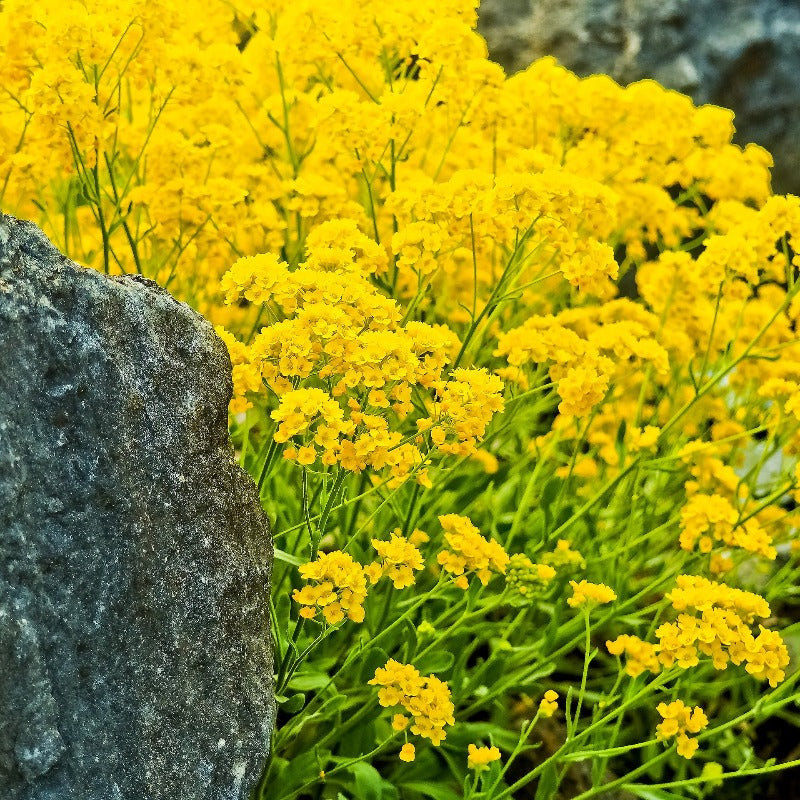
[{"x": 741, "y": 54}]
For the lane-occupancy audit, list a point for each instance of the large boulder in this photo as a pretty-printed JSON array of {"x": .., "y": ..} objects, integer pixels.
[
  {"x": 135, "y": 657},
  {"x": 741, "y": 54}
]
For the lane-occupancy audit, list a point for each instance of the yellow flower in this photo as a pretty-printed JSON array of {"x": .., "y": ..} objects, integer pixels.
[
  {"x": 591, "y": 593},
  {"x": 680, "y": 720},
  {"x": 338, "y": 244},
  {"x": 470, "y": 552},
  {"x": 639, "y": 656},
  {"x": 583, "y": 387},
  {"x": 463, "y": 409},
  {"x": 643, "y": 438},
  {"x": 246, "y": 376},
  {"x": 564, "y": 556},
  {"x": 487, "y": 460},
  {"x": 716, "y": 620},
  {"x": 548, "y": 704},
  {"x": 399, "y": 560},
  {"x": 407, "y": 752},
  {"x": 306, "y": 455},
  {"x": 418, "y": 537},
  {"x": 720, "y": 563},
  {"x": 479, "y": 758},
  {"x": 687, "y": 746},
  {"x": 427, "y": 700},
  {"x": 337, "y": 587},
  {"x": 706, "y": 518},
  {"x": 399, "y": 722},
  {"x": 302, "y": 408},
  {"x": 254, "y": 278}
]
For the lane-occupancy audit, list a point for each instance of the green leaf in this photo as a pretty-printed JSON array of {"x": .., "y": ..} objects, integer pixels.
[
  {"x": 291, "y": 704},
  {"x": 620, "y": 440},
  {"x": 467, "y": 496},
  {"x": 278, "y": 765},
  {"x": 301, "y": 768},
  {"x": 548, "y": 783},
  {"x": 432, "y": 790},
  {"x": 287, "y": 558},
  {"x": 547, "y": 498},
  {"x": 504, "y": 496},
  {"x": 374, "y": 657},
  {"x": 435, "y": 661},
  {"x": 308, "y": 681},
  {"x": 549, "y": 492},
  {"x": 535, "y": 532},
  {"x": 646, "y": 793},
  {"x": 369, "y": 784},
  {"x": 335, "y": 703}
]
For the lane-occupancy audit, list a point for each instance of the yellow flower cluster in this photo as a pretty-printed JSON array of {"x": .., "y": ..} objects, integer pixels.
[
  {"x": 399, "y": 559},
  {"x": 479, "y": 758},
  {"x": 364, "y": 157},
  {"x": 463, "y": 408},
  {"x": 341, "y": 333},
  {"x": 713, "y": 620},
  {"x": 425, "y": 699},
  {"x": 559, "y": 213},
  {"x": 469, "y": 551},
  {"x": 582, "y": 366},
  {"x": 679, "y": 721},
  {"x": 585, "y": 593},
  {"x": 716, "y": 620},
  {"x": 303, "y": 410},
  {"x": 639, "y": 656},
  {"x": 337, "y": 587},
  {"x": 706, "y": 518},
  {"x": 246, "y": 377}
]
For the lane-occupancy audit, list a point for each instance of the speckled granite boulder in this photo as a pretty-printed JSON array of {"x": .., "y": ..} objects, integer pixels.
[
  {"x": 741, "y": 54},
  {"x": 135, "y": 658}
]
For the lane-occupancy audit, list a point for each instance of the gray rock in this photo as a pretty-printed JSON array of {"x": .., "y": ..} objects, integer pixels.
[
  {"x": 135, "y": 658},
  {"x": 741, "y": 54}
]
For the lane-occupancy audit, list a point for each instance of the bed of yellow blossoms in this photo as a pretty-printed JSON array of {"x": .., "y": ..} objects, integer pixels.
[{"x": 534, "y": 329}]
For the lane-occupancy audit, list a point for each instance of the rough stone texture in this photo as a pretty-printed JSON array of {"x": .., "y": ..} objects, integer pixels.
[
  {"x": 135, "y": 661},
  {"x": 741, "y": 54}
]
